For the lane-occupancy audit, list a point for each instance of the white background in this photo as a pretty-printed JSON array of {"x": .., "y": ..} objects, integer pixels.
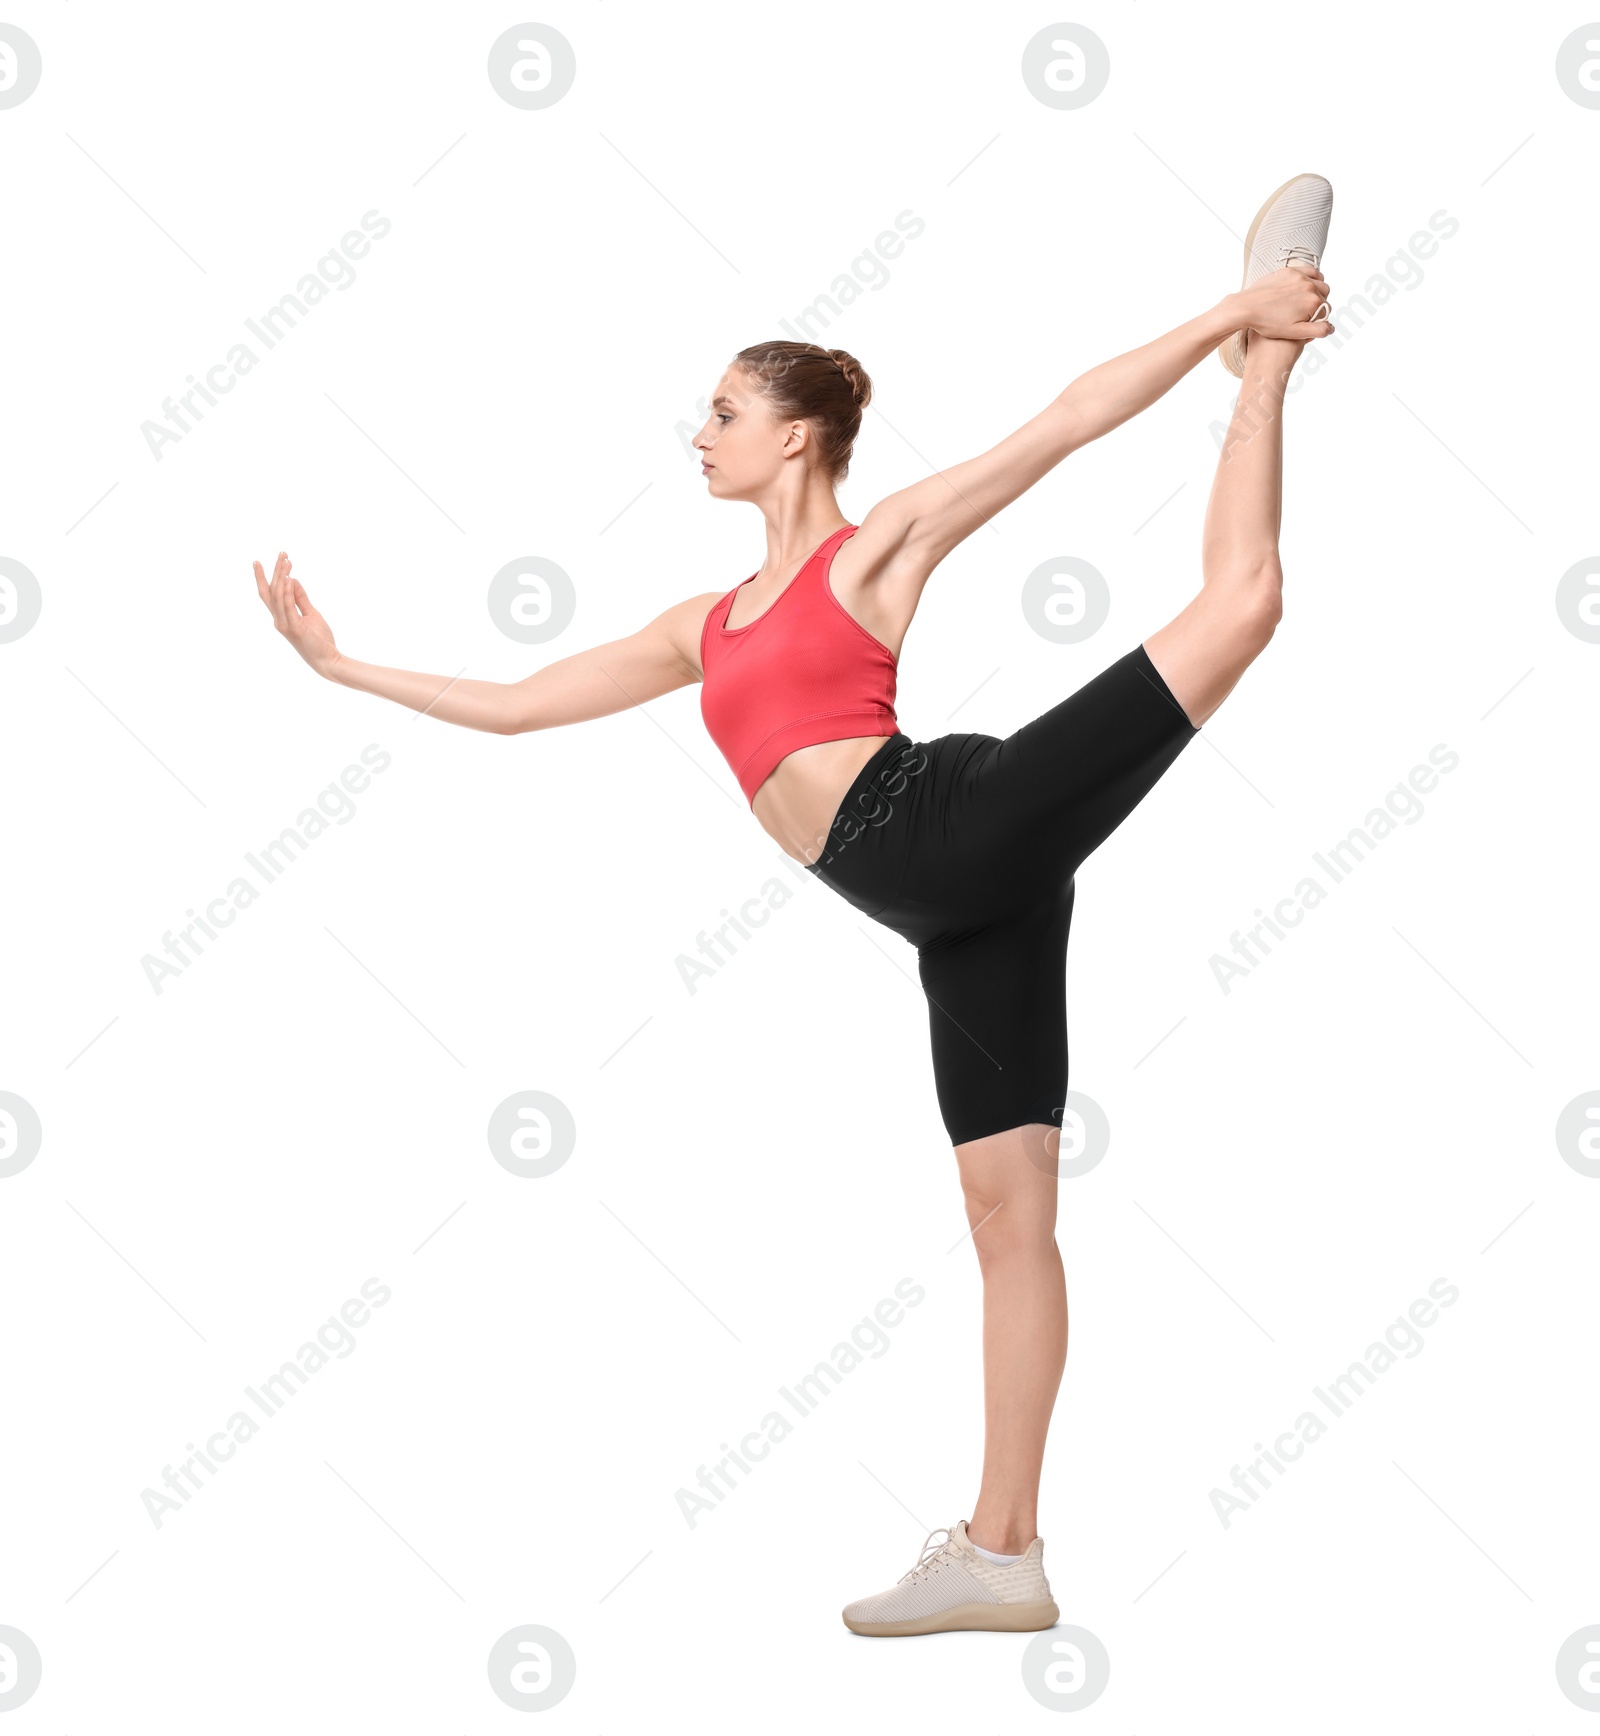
[{"x": 303, "y": 1108}]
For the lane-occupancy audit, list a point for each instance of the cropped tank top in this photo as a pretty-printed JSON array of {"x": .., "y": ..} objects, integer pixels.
[{"x": 805, "y": 671}]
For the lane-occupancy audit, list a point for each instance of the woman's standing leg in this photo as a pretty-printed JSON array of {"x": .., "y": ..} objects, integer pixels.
[
  {"x": 1009, "y": 1179},
  {"x": 1009, "y": 1184}
]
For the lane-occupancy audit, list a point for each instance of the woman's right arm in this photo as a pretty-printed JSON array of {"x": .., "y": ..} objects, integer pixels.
[{"x": 663, "y": 655}]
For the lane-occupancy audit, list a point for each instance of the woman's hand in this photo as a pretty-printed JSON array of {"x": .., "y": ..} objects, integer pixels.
[
  {"x": 1284, "y": 304},
  {"x": 295, "y": 618}
]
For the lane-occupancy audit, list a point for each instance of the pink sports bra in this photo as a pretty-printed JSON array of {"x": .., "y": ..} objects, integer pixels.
[{"x": 805, "y": 671}]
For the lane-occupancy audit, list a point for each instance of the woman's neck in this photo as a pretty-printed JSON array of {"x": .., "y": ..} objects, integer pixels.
[{"x": 795, "y": 532}]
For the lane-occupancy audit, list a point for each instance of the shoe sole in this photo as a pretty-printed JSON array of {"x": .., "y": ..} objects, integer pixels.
[
  {"x": 1232, "y": 347},
  {"x": 998, "y": 1618}
]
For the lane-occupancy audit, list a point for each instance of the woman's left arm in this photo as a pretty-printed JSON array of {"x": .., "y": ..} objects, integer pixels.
[{"x": 910, "y": 532}]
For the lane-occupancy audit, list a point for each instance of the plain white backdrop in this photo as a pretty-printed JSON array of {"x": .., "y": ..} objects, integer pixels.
[{"x": 304, "y": 1108}]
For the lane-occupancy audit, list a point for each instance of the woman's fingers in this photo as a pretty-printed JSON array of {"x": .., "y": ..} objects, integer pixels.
[
  {"x": 280, "y": 597},
  {"x": 291, "y": 607},
  {"x": 1290, "y": 301}
]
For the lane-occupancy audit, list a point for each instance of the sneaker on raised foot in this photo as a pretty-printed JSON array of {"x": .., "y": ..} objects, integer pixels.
[
  {"x": 1290, "y": 229},
  {"x": 952, "y": 1588}
]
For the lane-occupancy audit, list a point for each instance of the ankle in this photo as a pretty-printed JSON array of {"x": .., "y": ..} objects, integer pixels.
[
  {"x": 1271, "y": 358},
  {"x": 1005, "y": 1537}
]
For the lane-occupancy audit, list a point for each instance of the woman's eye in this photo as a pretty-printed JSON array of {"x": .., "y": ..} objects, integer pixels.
[{"x": 723, "y": 416}]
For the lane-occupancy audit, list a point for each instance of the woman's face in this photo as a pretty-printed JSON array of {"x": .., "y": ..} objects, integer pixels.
[{"x": 743, "y": 446}]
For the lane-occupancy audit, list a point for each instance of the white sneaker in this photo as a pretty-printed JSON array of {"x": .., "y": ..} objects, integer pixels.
[
  {"x": 952, "y": 1587},
  {"x": 1290, "y": 229}
]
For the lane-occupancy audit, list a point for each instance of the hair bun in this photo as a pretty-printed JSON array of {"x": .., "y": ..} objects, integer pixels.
[{"x": 855, "y": 377}]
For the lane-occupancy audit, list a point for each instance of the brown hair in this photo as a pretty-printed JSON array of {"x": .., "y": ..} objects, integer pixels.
[{"x": 827, "y": 388}]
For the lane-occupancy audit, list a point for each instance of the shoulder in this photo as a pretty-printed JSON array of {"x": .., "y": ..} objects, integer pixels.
[{"x": 684, "y": 626}]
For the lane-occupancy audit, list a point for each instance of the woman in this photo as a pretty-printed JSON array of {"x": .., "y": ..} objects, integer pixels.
[{"x": 966, "y": 845}]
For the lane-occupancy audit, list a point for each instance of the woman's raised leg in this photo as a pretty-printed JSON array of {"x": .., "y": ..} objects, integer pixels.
[{"x": 1202, "y": 652}]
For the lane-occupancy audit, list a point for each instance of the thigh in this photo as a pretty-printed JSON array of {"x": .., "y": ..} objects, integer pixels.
[
  {"x": 1057, "y": 788},
  {"x": 997, "y": 1019}
]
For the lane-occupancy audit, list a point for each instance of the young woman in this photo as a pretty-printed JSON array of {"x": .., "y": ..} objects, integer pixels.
[{"x": 966, "y": 845}]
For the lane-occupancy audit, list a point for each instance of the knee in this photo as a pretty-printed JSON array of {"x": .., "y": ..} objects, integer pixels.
[
  {"x": 1254, "y": 598},
  {"x": 1009, "y": 1231},
  {"x": 1265, "y": 609}
]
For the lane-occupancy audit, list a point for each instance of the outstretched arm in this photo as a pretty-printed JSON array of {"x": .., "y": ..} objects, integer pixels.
[
  {"x": 661, "y": 656},
  {"x": 912, "y": 531}
]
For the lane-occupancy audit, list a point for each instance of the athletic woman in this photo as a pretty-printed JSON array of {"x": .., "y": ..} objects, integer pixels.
[{"x": 965, "y": 845}]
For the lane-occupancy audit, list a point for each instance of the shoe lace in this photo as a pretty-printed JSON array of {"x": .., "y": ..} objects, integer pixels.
[{"x": 933, "y": 1554}]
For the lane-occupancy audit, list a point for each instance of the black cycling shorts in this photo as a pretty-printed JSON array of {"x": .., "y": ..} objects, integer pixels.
[{"x": 966, "y": 846}]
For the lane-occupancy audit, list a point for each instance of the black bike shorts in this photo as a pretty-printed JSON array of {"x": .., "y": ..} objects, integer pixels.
[{"x": 966, "y": 846}]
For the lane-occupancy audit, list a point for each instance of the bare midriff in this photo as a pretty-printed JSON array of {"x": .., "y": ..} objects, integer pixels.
[{"x": 796, "y": 805}]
